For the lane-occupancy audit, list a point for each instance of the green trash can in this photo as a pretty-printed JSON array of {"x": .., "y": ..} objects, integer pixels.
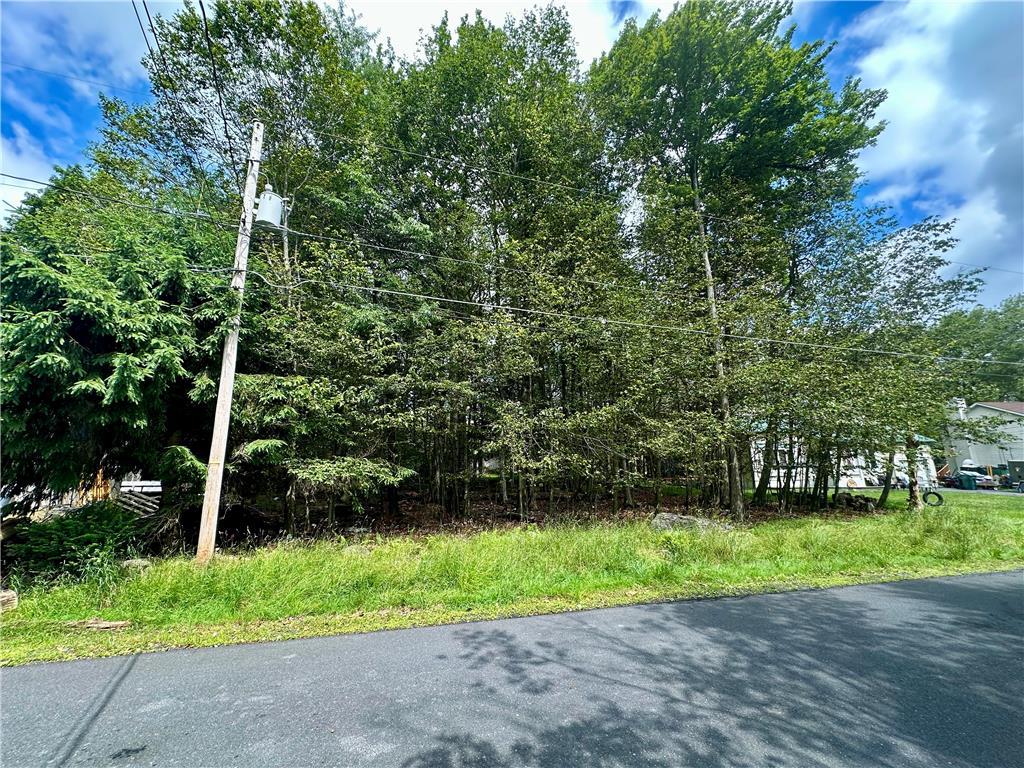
[{"x": 968, "y": 482}]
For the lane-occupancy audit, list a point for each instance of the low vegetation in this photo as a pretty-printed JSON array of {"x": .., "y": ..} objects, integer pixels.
[{"x": 326, "y": 587}]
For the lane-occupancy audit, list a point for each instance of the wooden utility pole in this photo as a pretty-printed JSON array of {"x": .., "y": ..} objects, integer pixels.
[{"x": 222, "y": 419}]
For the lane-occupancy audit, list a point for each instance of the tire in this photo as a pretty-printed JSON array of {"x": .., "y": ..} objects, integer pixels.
[{"x": 932, "y": 498}]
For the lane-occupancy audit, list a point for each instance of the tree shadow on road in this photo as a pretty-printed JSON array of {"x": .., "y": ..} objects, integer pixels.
[{"x": 929, "y": 675}]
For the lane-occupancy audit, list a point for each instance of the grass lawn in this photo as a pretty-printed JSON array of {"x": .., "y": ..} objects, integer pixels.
[{"x": 327, "y": 588}]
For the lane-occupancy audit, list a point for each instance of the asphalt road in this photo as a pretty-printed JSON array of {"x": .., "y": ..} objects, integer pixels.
[{"x": 917, "y": 673}]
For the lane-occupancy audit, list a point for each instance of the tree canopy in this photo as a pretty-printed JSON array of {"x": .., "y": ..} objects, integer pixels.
[{"x": 507, "y": 279}]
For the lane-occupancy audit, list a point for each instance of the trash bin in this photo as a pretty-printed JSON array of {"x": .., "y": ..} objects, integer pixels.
[{"x": 968, "y": 482}]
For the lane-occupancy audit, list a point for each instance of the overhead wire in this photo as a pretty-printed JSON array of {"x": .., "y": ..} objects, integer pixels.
[
  {"x": 142, "y": 28},
  {"x": 360, "y": 243},
  {"x": 606, "y": 321},
  {"x": 491, "y": 306},
  {"x": 118, "y": 201},
  {"x": 849, "y": 362},
  {"x": 220, "y": 93},
  {"x": 152, "y": 28},
  {"x": 523, "y": 310},
  {"x": 199, "y": 166},
  {"x": 98, "y": 83},
  {"x": 231, "y": 225}
]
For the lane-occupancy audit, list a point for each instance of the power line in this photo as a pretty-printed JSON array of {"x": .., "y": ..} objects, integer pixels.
[
  {"x": 142, "y": 29},
  {"x": 354, "y": 241},
  {"x": 220, "y": 93},
  {"x": 639, "y": 290},
  {"x": 492, "y": 320},
  {"x": 20, "y": 186},
  {"x": 600, "y": 319},
  {"x": 628, "y": 323},
  {"x": 98, "y": 83},
  {"x": 119, "y": 201},
  {"x": 603, "y": 321},
  {"x": 985, "y": 266},
  {"x": 152, "y": 28},
  {"x": 488, "y": 266}
]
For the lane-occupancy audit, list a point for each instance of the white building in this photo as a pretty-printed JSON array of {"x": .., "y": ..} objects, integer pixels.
[
  {"x": 989, "y": 456},
  {"x": 857, "y": 471}
]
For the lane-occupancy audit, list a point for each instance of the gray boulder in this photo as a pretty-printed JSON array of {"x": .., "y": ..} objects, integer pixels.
[{"x": 669, "y": 521}]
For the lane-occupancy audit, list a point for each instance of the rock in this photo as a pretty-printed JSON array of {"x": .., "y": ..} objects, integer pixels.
[
  {"x": 859, "y": 503},
  {"x": 98, "y": 624},
  {"x": 357, "y": 549},
  {"x": 669, "y": 521},
  {"x": 8, "y": 600},
  {"x": 136, "y": 564}
]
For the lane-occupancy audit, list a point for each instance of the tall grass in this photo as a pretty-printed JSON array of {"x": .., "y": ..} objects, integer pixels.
[{"x": 503, "y": 568}]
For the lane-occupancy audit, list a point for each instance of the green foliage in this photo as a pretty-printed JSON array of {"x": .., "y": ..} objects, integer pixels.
[
  {"x": 699, "y": 176},
  {"x": 345, "y": 475},
  {"x": 998, "y": 332},
  {"x": 102, "y": 333},
  {"x": 182, "y": 481},
  {"x": 85, "y": 544}
]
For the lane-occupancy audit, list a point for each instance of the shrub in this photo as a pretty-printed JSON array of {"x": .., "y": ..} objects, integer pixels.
[{"x": 86, "y": 543}]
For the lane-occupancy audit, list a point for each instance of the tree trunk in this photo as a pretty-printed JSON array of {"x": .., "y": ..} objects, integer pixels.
[
  {"x": 821, "y": 480},
  {"x": 657, "y": 486},
  {"x": 731, "y": 476},
  {"x": 890, "y": 467},
  {"x": 771, "y": 445},
  {"x": 521, "y": 499},
  {"x": 788, "y": 482},
  {"x": 839, "y": 471},
  {"x": 807, "y": 477},
  {"x": 913, "y": 490}
]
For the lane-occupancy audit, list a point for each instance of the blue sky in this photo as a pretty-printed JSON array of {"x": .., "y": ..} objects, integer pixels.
[{"x": 954, "y": 146}]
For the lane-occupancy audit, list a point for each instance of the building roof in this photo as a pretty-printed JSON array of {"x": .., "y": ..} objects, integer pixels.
[{"x": 1011, "y": 406}]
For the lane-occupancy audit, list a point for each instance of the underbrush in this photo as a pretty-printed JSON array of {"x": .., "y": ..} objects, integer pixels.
[{"x": 84, "y": 544}]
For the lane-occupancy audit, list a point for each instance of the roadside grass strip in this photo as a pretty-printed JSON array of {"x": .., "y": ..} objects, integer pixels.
[{"x": 296, "y": 590}]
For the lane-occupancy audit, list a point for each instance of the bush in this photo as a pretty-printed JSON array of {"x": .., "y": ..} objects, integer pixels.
[{"x": 86, "y": 543}]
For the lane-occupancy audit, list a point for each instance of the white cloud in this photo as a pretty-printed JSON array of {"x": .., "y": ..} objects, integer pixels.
[
  {"x": 45, "y": 112},
  {"x": 21, "y": 155},
  {"x": 404, "y": 22},
  {"x": 91, "y": 40},
  {"x": 953, "y": 146},
  {"x": 102, "y": 42},
  {"x": 99, "y": 41},
  {"x": 984, "y": 235}
]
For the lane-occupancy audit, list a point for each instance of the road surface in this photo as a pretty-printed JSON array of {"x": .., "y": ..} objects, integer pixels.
[{"x": 918, "y": 673}]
